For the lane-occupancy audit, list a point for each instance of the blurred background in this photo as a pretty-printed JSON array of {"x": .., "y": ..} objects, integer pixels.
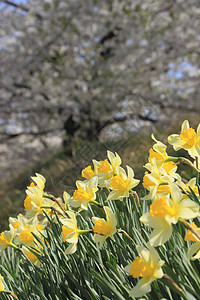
[{"x": 80, "y": 77}]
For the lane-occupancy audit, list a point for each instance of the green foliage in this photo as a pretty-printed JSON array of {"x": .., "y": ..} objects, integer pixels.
[{"x": 91, "y": 273}]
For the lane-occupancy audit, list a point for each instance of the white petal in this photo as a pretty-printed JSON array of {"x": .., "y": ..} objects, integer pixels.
[
  {"x": 142, "y": 287},
  {"x": 71, "y": 249}
]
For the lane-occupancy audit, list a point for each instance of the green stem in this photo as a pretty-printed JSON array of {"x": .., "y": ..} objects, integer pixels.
[{"x": 80, "y": 232}]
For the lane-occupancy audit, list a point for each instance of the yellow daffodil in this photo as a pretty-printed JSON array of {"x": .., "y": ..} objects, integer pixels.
[
  {"x": 108, "y": 169},
  {"x": 39, "y": 180},
  {"x": 6, "y": 239},
  {"x": 2, "y": 287},
  {"x": 26, "y": 228},
  {"x": 194, "y": 248},
  {"x": 157, "y": 180},
  {"x": 71, "y": 232},
  {"x": 190, "y": 185},
  {"x": 31, "y": 256},
  {"x": 115, "y": 160},
  {"x": 158, "y": 151},
  {"x": 15, "y": 223},
  {"x": 104, "y": 229},
  {"x": 122, "y": 183},
  {"x": 88, "y": 172},
  {"x": 147, "y": 265},
  {"x": 66, "y": 198},
  {"x": 166, "y": 211},
  {"x": 104, "y": 170},
  {"x": 188, "y": 139},
  {"x": 35, "y": 202},
  {"x": 85, "y": 193}
]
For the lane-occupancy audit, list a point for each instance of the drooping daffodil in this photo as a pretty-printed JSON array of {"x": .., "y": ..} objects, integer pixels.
[
  {"x": 165, "y": 211},
  {"x": 147, "y": 265}
]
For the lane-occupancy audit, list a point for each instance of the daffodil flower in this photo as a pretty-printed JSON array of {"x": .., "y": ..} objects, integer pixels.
[
  {"x": 88, "y": 172},
  {"x": 166, "y": 211},
  {"x": 26, "y": 228},
  {"x": 147, "y": 265},
  {"x": 190, "y": 185},
  {"x": 104, "y": 170},
  {"x": 39, "y": 180},
  {"x": 122, "y": 184},
  {"x": 104, "y": 229},
  {"x": 6, "y": 239},
  {"x": 15, "y": 223},
  {"x": 158, "y": 151},
  {"x": 71, "y": 232},
  {"x": 157, "y": 181},
  {"x": 85, "y": 193},
  {"x": 194, "y": 248},
  {"x": 188, "y": 139},
  {"x": 35, "y": 202}
]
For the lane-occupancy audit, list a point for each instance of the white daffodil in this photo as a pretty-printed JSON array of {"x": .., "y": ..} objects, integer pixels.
[
  {"x": 85, "y": 193},
  {"x": 71, "y": 232},
  {"x": 26, "y": 228},
  {"x": 158, "y": 180},
  {"x": 104, "y": 229},
  {"x": 122, "y": 184},
  {"x": 166, "y": 211},
  {"x": 147, "y": 265},
  {"x": 188, "y": 139},
  {"x": 194, "y": 248},
  {"x": 39, "y": 180},
  {"x": 88, "y": 172},
  {"x": 6, "y": 239}
]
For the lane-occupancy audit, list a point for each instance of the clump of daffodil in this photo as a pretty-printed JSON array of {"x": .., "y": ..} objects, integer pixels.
[
  {"x": 147, "y": 265},
  {"x": 70, "y": 232},
  {"x": 194, "y": 248},
  {"x": 85, "y": 193},
  {"x": 160, "y": 172},
  {"x": 158, "y": 178},
  {"x": 6, "y": 239},
  {"x": 104, "y": 228},
  {"x": 188, "y": 139},
  {"x": 36, "y": 202},
  {"x": 122, "y": 184},
  {"x": 104, "y": 170},
  {"x": 165, "y": 211}
]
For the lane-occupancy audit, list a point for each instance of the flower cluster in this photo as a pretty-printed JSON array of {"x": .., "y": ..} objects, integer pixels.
[{"x": 172, "y": 200}]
